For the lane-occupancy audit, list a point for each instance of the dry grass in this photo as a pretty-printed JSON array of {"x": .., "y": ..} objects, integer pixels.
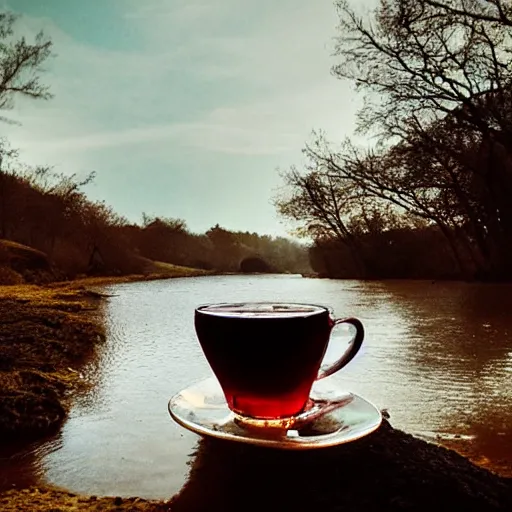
[
  {"x": 46, "y": 334},
  {"x": 154, "y": 270},
  {"x": 45, "y": 500},
  {"x": 9, "y": 244}
]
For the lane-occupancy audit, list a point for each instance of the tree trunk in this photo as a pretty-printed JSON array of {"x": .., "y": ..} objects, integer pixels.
[{"x": 457, "y": 258}]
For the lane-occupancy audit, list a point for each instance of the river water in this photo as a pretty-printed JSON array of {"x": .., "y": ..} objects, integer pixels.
[{"x": 437, "y": 356}]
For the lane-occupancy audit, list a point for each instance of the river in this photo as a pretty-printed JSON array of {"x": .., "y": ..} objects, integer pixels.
[{"x": 437, "y": 356}]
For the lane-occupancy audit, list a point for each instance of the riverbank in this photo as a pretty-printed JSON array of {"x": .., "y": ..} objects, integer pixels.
[
  {"x": 387, "y": 470},
  {"x": 42, "y": 499},
  {"x": 47, "y": 334}
]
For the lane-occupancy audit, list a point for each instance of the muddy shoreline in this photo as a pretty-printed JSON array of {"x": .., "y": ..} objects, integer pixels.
[
  {"x": 47, "y": 333},
  {"x": 388, "y": 470}
]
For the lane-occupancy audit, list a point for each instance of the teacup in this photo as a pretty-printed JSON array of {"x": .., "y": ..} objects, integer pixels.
[{"x": 266, "y": 356}]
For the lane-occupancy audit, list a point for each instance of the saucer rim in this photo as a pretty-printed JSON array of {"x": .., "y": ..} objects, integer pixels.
[{"x": 295, "y": 444}]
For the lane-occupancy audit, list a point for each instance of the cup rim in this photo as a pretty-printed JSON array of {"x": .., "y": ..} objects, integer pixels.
[{"x": 322, "y": 308}]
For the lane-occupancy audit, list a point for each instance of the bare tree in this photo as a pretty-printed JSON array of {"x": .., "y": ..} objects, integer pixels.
[
  {"x": 437, "y": 78},
  {"x": 20, "y": 64},
  {"x": 420, "y": 63},
  {"x": 492, "y": 11},
  {"x": 327, "y": 203},
  {"x": 403, "y": 176}
]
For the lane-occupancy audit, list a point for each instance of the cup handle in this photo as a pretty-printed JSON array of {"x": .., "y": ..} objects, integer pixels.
[{"x": 355, "y": 345}]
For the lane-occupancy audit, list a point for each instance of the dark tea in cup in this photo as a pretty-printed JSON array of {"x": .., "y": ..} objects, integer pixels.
[{"x": 266, "y": 356}]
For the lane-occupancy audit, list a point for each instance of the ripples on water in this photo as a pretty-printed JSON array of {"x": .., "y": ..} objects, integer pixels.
[{"x": 438, "y": 356}]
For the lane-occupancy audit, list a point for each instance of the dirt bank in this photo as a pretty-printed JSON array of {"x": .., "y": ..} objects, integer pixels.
[
  {"x": 46, "y": 334},
  {"x": 46, "y": 500},
  {"x": 387, "y": 471}
]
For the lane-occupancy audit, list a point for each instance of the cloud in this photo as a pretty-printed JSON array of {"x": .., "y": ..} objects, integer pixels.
[
  {"x": 264, "y": 128},
  {"x": 214, "y": 82},
  {"x": 213, "y": 137},
  {"x": 176, "y": 12},
  {"x": 283, "y": 67}
]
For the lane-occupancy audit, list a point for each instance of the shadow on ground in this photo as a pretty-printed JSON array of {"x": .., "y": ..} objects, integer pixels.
[{"x": 388, "y": 470}]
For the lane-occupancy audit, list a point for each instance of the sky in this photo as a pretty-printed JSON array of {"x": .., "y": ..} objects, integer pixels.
[{"x": 183, "y": 108}]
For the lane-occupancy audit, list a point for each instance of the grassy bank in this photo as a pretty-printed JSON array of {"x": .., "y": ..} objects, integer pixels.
[
  {"x": 157, "y": 271},
  {"x": 47, "y": 333},
  {"x": 45, "y": 336},
  {"x": 55, "y": 500}
]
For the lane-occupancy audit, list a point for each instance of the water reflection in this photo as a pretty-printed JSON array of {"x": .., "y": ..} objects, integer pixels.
[
  {"x": 437, "y": 356},
  {"x": 461, "y": 356},
  {"x": 18, "y": 466}
]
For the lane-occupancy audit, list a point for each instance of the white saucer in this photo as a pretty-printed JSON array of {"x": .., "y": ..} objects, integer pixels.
[{"x": 202, "y": 409}]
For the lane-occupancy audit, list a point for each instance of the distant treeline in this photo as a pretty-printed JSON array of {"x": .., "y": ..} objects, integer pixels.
[
  {"x": 52, "y": 213},
  {"x": 420, "y": 253}
]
